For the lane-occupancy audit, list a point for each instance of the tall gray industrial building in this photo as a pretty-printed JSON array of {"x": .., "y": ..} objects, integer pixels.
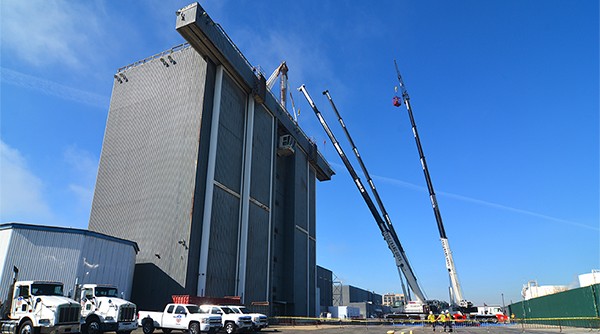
[{"x": 204, "y": 169}]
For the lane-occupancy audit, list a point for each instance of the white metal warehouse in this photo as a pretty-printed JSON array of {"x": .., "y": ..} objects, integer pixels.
[{"x": 64, "y": 255}]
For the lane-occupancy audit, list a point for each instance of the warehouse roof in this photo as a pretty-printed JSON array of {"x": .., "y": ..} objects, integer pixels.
[{"x": 70, "y": 230}]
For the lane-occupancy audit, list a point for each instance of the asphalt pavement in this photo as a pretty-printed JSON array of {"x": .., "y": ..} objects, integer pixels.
[
  {"x": 384, "y": 329},
  {"x": 500, "y": 329}
]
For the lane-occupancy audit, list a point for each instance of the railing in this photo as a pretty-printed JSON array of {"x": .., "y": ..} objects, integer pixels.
[{"x": 158, "y": 55}]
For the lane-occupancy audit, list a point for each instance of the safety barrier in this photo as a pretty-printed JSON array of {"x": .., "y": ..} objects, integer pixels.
[
  {"x": 531, "y": 323},
  {"x": 307, "y": 321}
]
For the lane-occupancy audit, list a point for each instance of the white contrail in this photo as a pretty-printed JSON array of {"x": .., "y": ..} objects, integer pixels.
[
  {"x": 478, "y": 201},
  {"x": 52, "y": 88}
]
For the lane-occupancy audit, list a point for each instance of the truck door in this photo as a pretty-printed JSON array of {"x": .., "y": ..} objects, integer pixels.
[
  {"x": 21, "y": 303},
  {"x": 175, "y": 318},
  {"x": 87, "y": 301}
]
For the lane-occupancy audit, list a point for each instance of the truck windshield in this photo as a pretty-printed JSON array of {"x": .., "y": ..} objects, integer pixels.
[
  {"x": 46, "y": 289},
  {"x": 242, "y": 310},
  {"x": 195, "y": 309},
  {"x": 107, "y": 292},
  {"x": 227, "y": 310}
]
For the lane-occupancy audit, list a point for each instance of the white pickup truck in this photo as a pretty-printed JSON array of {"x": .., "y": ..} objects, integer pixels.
[
  {"x": 232, "y": 322},
  {"x": 184, "y": 317},
  {"x": 259, "y": 320}
]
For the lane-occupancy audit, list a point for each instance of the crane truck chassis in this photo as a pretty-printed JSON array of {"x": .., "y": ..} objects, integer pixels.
[
  {"x": 103, "y": 311},
  {"x": 38, "y": 307}
]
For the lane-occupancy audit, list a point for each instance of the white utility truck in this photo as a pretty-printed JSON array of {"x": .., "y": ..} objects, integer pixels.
[
  {"x": 38, "y": 307},
  {"x": 185, "y": 317},
  {"x": 259, "y": 321},
  {"x": 232, "y": 322},
  {"x": 103, "y": 310}
]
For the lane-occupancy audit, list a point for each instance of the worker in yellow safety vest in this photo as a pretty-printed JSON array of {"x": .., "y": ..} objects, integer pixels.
[
  {"x": 448, "y": 323},
  {"x": 442, "y": 319},
  {"x": 432, "y": 319}
]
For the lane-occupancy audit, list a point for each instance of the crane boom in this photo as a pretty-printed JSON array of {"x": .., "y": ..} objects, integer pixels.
[
  {"x": 389, "y": 235},
  {"x": 457, "y": 291},
  {"x": 386, "y": 216},
  {"x": 281, "y": 72}
]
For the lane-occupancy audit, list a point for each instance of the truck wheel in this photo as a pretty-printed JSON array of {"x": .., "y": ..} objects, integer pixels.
[
  {"x": 148, "y": 326},
  {"x": 93, "y": 327},
  {"x": 194, "y": 328},
  {"x": 230, "y": 328},
  {"x": 26, "y": 327}
]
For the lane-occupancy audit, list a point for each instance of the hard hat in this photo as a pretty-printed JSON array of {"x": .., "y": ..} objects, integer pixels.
[
  {"x": 430, "y": 312},
  {"x": 447, "y": 311}
]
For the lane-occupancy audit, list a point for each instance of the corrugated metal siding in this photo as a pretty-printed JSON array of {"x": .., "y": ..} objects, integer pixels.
[
  {"x": 312, "y": 207},
  {"x": 63, "y": 257},
  {"x": 105, "y": 262},
  {"x": 282, "y": 261},
  {"x": 258, "y": 255},
  {"x": 300, "y": 188},
  {"x": 300, "y": 273},
  {"x": 262, "y": 151},
  {"x": 260, "y": 190},
  {"x": 6, "y": 266},
  {"x": 325, "y": 285},
  {"x": 312, "y": 278},
  {"x": 147, "y": 171},
  {"x": 42, "y": 255},
  {"x": 228, "y": 168},
  {"x": 222, "y": 251}
]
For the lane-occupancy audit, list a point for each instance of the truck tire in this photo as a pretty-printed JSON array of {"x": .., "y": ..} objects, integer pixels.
[
  {"x": 93, "y": 326},
  {"x": 26, "y": 327},
  {"x": 148, "y": 326},
  {"x": 194, "y": 328},
  {"x": 230, "y": 328}
]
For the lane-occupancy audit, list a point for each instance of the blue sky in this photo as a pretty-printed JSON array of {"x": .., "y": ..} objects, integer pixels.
[{"x": 505, "y": 96}]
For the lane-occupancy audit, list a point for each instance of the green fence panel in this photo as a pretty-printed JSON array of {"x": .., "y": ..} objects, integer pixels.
[{"x": 580, "y": 302}]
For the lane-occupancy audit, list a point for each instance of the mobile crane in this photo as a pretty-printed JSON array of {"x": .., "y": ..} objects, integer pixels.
[
  {"x": 457, "y": 296},
  {"x": 386, "y": 228}
]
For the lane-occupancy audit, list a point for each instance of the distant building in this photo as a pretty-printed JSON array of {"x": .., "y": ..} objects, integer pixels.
[
  {"x": 64, "y": 255},
  {"x": 210, "y": 175},
  {"x": 368, "y": 302},
  {"x": 352, "y": 294},
  {"x": 393, "y": 299},
  {"x": 324, "y": 288}
]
